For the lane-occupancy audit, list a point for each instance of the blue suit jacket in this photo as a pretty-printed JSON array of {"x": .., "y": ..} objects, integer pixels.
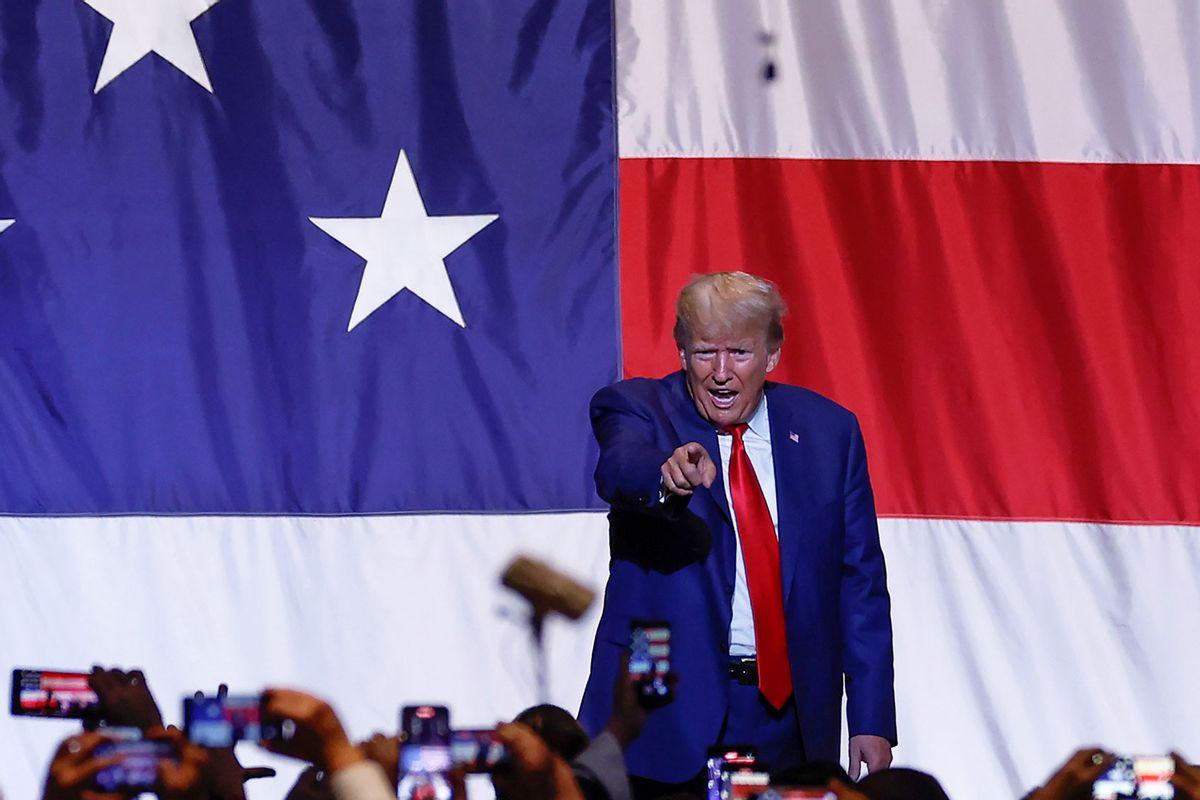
[{"x": 677, "y": 563}]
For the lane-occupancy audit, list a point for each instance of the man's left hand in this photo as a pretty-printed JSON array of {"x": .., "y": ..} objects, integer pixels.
[{"x": 874, "y": 751}]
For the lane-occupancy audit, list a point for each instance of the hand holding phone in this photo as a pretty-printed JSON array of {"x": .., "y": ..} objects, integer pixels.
[
  {"x": 724, "y": 761},
  {"x": 477, "y": 750},
  {"x": 796, "y": 793},
  {"x": 119, "y": 761},
  {"x": 225, "y": 719},
  {"x": 424, "y": 753},
  {"x": 650, "y": 661},
  {"x": 75, "y": 765},
  {"x": 57, "y": 694},
  {"x": 136, "y": 762},
  {"x": 125, "y": 698},
  {"x": 317, "y": 735},
  {"x": 1136, "y": 778}
]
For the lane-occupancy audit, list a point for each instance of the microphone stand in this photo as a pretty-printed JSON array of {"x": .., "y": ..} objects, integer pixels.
[{"x": 537, "y": 620}]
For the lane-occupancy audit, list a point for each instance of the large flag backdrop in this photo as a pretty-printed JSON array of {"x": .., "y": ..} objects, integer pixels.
[
  {"x": 299, "y": 317},
  {"x": 985, "y": 219},
  {"x": 249, "y": 433}
]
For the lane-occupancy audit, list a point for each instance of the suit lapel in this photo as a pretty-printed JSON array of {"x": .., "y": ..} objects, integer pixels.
[{"x": 792, "y": 465}]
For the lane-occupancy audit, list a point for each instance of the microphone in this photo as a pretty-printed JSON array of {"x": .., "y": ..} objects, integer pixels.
[{"x": 546, "y": 588}]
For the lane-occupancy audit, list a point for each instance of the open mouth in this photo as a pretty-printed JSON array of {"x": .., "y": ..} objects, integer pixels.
[{"x": 723, "y": 398}]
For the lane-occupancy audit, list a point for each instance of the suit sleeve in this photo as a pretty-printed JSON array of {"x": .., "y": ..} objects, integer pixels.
[
  {"x": 628, "y": 473},
  {"x": 865, "y": 607}
]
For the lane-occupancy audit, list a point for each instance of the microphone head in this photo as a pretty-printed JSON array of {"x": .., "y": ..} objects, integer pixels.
[{"x": 546, "y": 588}]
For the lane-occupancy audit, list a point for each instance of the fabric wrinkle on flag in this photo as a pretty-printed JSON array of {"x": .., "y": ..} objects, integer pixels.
[{"x": 176, "y": 326}]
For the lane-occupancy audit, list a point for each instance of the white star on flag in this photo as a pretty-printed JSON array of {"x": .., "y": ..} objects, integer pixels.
[
  {"x": 405, "y": 248},
  {"x": 5, "y": 223},
  {"x": 141, "y": 27}
]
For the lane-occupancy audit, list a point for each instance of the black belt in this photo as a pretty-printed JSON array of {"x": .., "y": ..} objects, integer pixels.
[{"x": 744, "y": 670}]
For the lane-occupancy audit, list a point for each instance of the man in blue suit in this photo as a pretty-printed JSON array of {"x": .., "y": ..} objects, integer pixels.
[{"x": 742, "y": 513}]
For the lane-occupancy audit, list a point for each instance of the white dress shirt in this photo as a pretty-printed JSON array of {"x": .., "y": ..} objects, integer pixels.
[{"x": 757, "y": 440}]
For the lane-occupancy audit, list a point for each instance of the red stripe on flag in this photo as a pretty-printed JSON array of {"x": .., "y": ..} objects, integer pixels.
[{"x": 1019, "y": 340}]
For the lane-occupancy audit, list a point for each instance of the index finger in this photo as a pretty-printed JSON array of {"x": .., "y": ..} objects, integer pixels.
[
  {"x": 693, "y": 474},
  {"x": 701, "y": 461}
]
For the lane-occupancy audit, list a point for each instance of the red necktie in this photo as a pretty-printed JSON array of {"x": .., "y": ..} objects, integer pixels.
[{"x": 760, "y": 552}]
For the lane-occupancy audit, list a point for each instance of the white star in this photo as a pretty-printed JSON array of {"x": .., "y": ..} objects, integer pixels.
[
  {"x": 141, "y": 27},
  {"x": 4, "y": 223},
  {"x": 404, "y": 248}
]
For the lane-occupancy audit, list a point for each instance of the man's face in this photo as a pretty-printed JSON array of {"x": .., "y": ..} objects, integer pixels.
[{"x": 726, "y": 372}]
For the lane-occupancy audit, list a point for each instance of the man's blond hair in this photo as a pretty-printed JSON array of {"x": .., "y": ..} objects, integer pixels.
[{"x": 725, "y": 301}]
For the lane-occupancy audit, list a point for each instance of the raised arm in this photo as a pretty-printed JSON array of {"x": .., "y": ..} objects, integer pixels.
[
  {"x": 631, "y": 454},
  {"x": 638, "y": 466}
]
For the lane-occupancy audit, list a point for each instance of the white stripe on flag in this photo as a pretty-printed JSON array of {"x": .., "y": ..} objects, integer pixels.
[
  {"x": 370, "y": 612},
  {"x": 1018, "y": 642},
  {"x": 1103, "y": 81}
]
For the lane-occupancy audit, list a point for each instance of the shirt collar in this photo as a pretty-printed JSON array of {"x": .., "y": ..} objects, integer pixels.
[{"x": 758, "y": 423}]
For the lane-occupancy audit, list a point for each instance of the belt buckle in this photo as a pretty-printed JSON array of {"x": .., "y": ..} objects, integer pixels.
[{"x": 744, "y": 670}]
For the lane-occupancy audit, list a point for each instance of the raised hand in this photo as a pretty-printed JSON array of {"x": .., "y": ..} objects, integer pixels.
[
  {"x": 74, "y": 767},
  {"x": 125, "y": 698},
  {"x": 384, "y": 751},
  {"x": 224, "y": 775},
  {"x": 319, "y": 737},
  {"x": 181, "y": 779},
  {"x": 1186, "y": 780},
  {"x": 534, "y": 773},
  {"x": 1074, "y": 779},
  {"x": 688, "y": 468}
]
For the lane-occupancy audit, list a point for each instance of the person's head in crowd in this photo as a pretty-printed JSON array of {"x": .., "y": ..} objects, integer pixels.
[
  {"x": 339, "y": 768},
  {"x": 125, "y": 700},
  {"x": 558, "y": 728},
  {"x": 534, "y": 771},
  {"x": 819, "y": 774},
  {"x": 729, "y": 330},
  {"x": 810, "y": 773},
  {"x": 901, "y": 783}
]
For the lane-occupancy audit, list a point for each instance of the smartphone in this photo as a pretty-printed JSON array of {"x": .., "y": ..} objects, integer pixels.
[
  {"x": 52, "y": 693},
  {"x": 744, "y": 785},
  {"x": 224, "y": 721},
  {"x": 140, "y": 759},
  {"x": 476, "y": 750},
  {"x": 1136, "y": 778},
  {"x": 650, "y": 660},
  {"x": 424, "y": 753},
  {"x": 724, "y": 761}
]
